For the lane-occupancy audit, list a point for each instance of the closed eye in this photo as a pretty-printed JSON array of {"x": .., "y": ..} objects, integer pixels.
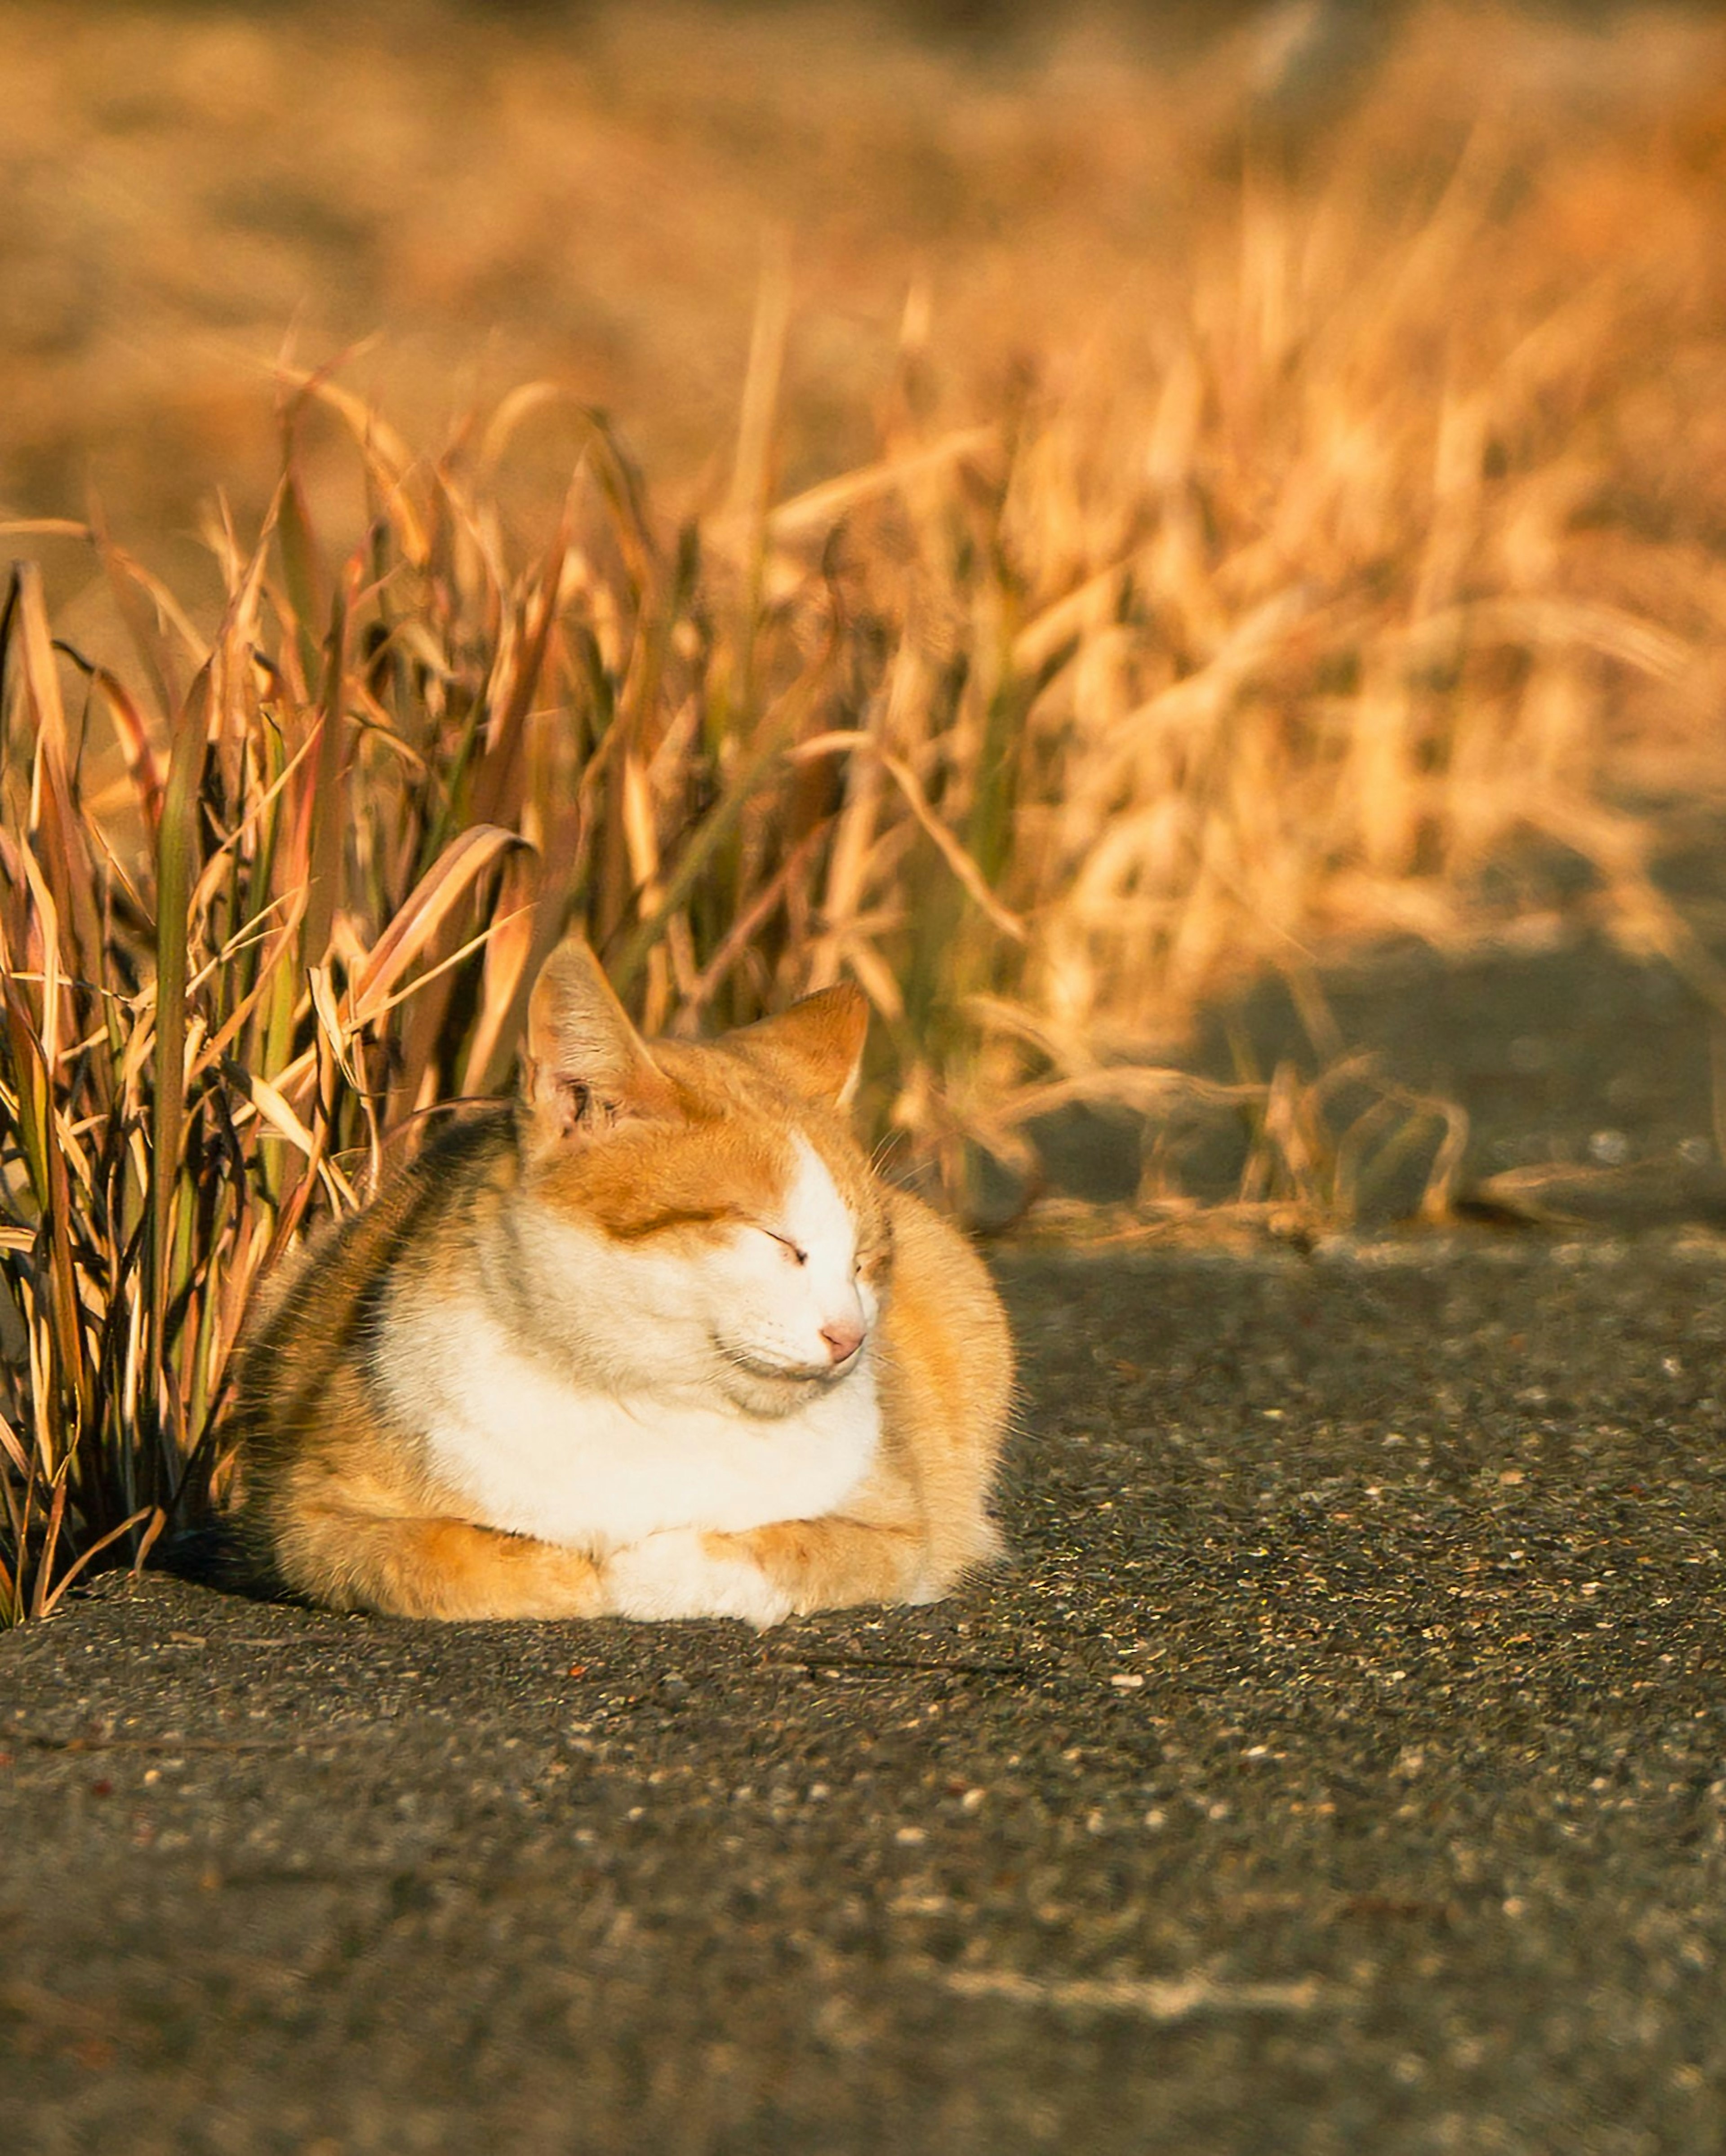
[
  {"x": 797, "y": 1256},
  {"x": 671, "y": 1217}
]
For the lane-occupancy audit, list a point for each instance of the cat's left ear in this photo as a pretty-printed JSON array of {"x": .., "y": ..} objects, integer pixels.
[{"x": 816, "y": 1047}]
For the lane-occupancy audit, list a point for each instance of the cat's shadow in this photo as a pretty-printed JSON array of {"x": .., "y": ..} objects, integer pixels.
[{"x": 212, "y": 1555}]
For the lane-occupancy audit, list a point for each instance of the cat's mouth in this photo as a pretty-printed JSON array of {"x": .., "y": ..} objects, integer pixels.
[{"x": 786, "y": 1383}]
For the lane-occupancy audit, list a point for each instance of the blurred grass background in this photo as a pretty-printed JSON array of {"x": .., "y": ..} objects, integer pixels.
[
  {"x": 1048, "y": 515},
  {"x": 494, "y": 194}
]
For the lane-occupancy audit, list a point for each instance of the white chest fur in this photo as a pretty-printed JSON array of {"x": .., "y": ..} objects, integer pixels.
[{"x": 535, "y": 1456}]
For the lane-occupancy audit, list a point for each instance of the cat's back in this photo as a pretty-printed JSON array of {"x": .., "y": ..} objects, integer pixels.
[{"x": 946, "y": 1373}]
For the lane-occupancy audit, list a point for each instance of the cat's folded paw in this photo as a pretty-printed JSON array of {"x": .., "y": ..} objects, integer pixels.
[{"x": 679, "y": 1573}]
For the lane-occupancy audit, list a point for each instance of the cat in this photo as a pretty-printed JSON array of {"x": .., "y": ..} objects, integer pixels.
[{"x": 657, "y": 1342}]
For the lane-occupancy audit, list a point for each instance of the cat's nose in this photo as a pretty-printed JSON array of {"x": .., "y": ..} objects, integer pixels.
[{"x": 844, "y": 1337}]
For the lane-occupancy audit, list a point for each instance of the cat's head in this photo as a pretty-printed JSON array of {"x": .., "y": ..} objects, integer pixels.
[{"x": 697, "y": 1215}]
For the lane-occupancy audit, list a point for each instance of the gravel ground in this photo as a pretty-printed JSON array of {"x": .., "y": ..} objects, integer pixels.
[{"x": 1337, "y": 1767}]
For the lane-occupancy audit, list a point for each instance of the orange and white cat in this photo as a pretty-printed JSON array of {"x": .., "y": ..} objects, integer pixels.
[{"x": 656, "y": 1344}]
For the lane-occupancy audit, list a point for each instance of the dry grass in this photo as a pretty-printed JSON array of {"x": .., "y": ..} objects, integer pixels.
[{"x": 1374, "y": 527}]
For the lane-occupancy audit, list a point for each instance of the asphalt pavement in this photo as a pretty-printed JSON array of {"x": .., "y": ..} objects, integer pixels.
[{"x": 1338, "y": 1767}]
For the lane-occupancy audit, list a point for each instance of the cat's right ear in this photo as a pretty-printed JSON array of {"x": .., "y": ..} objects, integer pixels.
[{"x": 586, "y": 1067}]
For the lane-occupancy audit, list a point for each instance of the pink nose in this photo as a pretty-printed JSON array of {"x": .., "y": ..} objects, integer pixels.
[{"x": 844, "y": 1337}]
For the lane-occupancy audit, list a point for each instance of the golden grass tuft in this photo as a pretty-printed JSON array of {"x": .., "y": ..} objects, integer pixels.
[{"x": 1374, "y": 536}]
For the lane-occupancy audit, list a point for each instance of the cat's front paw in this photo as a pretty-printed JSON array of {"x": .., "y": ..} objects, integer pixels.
[{"x": 679, "y": 1573}]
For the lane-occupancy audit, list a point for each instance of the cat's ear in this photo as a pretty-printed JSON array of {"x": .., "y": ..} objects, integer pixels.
[
  {"x": 816, "y": 1047},
  {"x": 586, "y": 1067}
]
